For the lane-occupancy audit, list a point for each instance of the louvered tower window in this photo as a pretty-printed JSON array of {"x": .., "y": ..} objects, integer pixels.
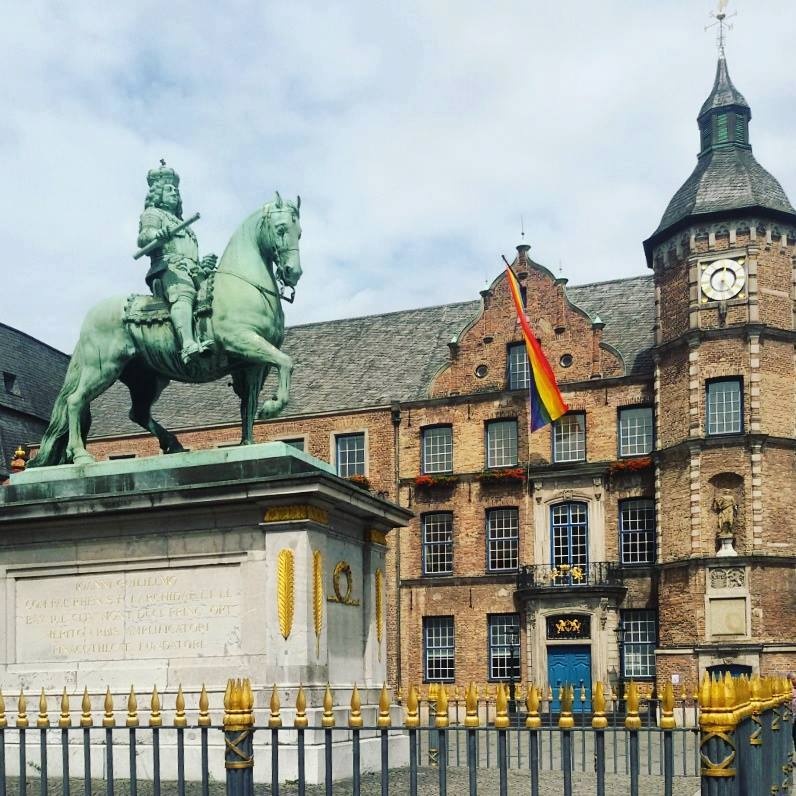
[{"x": 722, "y": 132}]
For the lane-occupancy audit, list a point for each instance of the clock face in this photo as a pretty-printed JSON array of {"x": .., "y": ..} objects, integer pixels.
[{"x": 722, "y": 279}]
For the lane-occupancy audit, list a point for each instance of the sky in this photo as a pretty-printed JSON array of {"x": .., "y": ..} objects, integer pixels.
[{"x": 418, "y": 135}]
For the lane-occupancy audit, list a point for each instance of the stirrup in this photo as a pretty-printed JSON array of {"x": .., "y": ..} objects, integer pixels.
[
  {"x": 206, "y": 345},
  {"x": 189, "y": 351}
]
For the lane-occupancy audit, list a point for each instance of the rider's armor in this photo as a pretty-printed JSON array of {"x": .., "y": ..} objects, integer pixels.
[{"x": 175, "y": 272}]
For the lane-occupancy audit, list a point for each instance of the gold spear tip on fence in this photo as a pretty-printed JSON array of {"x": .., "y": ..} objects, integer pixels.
[
  {"x": 355, "y": 711},
  {"x": 327, "y": 719},
  {"x": 22, "y": 711},
  {"x": 43, "y": 721},
  {"x": 441, "y": 720},
  {"x": 566, "y": 698},
  {"x": 65, "y": 719},
  {"x": 3, "y": 719},
  {"x": 108, "y": 720},
  {"x": 132, "y": 709},
  {"x": 667, "y": 708},
  {"x": 412, "y": 719},
  {"x": 228, "y": 696},
  {"x": 155, "y": 719},
  {"x": 632, "y": 719},
  {"x": 384, "y": 721},
  {"x": 598, "y": 720},
  {"x": 247, "y": 699},
  {"x": 300, "y": 721},
  {"x": 204, "y": 708},
  {"x": 471, "y": 707},
  {"x": 180, "y": 719},
  {"x": 532, "y": 699},
  {"x": 85, "y": 707},
  {"x": 501, "y": 707},
  {"x": 275, "y": 708}
]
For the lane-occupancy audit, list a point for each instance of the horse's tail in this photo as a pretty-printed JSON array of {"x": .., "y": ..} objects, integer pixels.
[{"x": 53, "y": 444}]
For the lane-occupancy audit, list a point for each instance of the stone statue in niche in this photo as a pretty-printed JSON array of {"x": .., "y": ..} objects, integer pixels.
[{"x": 726, "y": 507}]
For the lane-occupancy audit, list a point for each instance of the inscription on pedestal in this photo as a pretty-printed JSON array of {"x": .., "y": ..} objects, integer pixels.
[{"x": 128, "y": 615}]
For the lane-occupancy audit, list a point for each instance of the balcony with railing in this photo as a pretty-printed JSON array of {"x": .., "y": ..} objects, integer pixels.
[{"x": 548, "y": 578}]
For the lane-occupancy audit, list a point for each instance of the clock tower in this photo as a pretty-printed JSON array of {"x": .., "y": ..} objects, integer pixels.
[{"x": 723, "y": 258}]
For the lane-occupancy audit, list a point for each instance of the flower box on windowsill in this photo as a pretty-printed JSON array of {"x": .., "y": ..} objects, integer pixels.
[
  {"x": 630, "y": 465},
  {"x": 509, "y": 475},
  {"x": 432, "y": 481},
  {"x": 361, "y": 481}
]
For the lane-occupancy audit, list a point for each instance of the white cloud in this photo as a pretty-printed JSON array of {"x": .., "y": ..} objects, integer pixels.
[{"x": 417, "y": 134}]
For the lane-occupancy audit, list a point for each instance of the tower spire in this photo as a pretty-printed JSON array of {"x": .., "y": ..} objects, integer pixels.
[{"x": 721, "y": 17}]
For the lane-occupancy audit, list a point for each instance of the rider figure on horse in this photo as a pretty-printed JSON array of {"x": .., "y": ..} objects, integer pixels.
[{"x": 175, "y": 271}]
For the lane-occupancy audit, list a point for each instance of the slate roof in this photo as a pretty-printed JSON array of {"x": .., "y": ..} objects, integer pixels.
[
  {"x": 727, "y": 177},
  {"x": 724, "y": 92},
  {"x": 356, "y": 363},
  {"x": 39, "y": 372}
]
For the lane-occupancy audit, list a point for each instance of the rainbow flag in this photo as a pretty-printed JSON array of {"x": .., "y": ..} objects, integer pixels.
[{"x": 546, "y": 401}]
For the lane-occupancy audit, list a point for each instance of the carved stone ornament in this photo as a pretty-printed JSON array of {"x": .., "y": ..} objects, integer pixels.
[
  {"x": 343, "y": 596},
  {"x": 729, "y": 578}
]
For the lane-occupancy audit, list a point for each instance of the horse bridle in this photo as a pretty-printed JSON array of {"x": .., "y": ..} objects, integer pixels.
[{"x": 278, "y": 254}]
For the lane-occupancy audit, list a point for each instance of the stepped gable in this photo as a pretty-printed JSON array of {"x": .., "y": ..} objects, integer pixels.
[{"x": 31, "y": 374}]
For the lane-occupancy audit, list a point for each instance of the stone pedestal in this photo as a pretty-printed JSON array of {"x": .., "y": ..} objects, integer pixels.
[{"x": 192, "y": 568}]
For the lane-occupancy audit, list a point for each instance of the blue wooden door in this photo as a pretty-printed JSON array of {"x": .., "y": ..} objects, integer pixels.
[{"x": 571, "y": 665}]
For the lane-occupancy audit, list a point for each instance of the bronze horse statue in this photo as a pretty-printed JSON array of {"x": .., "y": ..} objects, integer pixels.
[{"x": 246, "y": 322}]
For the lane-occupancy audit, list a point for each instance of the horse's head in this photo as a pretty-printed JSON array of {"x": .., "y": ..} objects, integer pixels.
[{"x": 279, "y": 238}]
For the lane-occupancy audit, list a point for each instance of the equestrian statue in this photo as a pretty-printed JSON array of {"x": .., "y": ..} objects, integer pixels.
[{"x": 206, "y": 318}]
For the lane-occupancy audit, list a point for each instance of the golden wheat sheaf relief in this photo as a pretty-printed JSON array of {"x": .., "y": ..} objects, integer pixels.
[
  {"x": 317, "y": 598},
  {"x": 379, "y": 608},
  {"x": 284, "y": 591}
]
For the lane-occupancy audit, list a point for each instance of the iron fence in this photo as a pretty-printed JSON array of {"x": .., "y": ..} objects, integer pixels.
[{"x": 741, "y": 746}]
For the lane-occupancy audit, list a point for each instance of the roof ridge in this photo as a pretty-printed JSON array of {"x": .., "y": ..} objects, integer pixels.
[
  {"x": 647, "y": 277},
  {"x": 386, "y": 314}
]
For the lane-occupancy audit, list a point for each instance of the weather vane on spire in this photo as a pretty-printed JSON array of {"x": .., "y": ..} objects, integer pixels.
[{"x": 721, "y": 18}]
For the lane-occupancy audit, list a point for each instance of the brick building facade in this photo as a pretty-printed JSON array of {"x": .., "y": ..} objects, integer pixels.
[{"x": 649, "y": 532}]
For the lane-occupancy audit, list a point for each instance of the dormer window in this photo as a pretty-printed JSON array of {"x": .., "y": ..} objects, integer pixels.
[{"x": 10, "y": 383}]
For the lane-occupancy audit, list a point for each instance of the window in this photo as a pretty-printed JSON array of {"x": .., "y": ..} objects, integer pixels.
[
  {"x": 639, "y": 633},
  {"x": 438, "y": 449},
  {"x": 10, "y": 383},
  {"x": 724, "y": 407},
  {"x": 350, "y": 455},
  {"x": 635, "y": 431},
  {"x": 637, "y": 531},
  {"x": 519, "y": 369},
  {"x": 504, "y": 646},
  {"x": 501, "y": 443},
  {"x": 569, "y": 438},
  {"x": 722, "y": 134},
  {"x": 570, "y": 538},
  {"x": 503, "y": 539},
  {"x": 438, "y": 543},
  {"x": 740, "y": 129},
  {"x": 297, "y": 443},
  {"x": 439, "y": 649}
]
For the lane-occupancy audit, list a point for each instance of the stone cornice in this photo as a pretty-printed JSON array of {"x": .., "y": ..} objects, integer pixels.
[
  {"x": 739, "y": 560},
  {"x": 723, "y": 440},
  {"x": 694, "y": 337}
]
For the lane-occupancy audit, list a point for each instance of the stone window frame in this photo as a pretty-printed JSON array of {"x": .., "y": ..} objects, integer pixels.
[
  {"x": 493, "y": 424},
  {"x": 554, "y": 438},
  {"x": 646, "y": 645},
  {"x": 446, "y": 545},
  {"x": 629, "y": 533},
  {"x": 336, "y": 437},
  {"x": 621, "y": 453},
  {"x": 501, "y": 652},
  {"x": 426, "y": 434},
  {"x": 711, "y": 384},
  {"x": 513, "y": 373},
  {"x": 510, "y": 543},
  {"x": 439, "y": 634}
]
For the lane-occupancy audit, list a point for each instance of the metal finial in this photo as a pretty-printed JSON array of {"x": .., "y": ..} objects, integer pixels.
[
  {"x": 180, "y": 719},
  {"x": 132, "y": 709},
  {"x": 65, "y": 719},
  {"x": 721, "y": 16},
  {"x": 108, "y": 720},
  {"x": 275, "y": 719},
  {"x": 300, "y": 721},
  {"x": 204, "y": 708},
  {"x": 522, "y": 228}
]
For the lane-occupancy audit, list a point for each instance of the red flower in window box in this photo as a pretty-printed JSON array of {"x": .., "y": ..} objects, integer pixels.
[
  {"x": 427, "y": 481},
  {"x": 510, "y": 475},
  {"x": 360, "y": 480},
  {"x": 630, "y": 465}
]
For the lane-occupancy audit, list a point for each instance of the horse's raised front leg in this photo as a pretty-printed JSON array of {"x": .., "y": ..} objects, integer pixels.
[{"x": 255, "y": 350}]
